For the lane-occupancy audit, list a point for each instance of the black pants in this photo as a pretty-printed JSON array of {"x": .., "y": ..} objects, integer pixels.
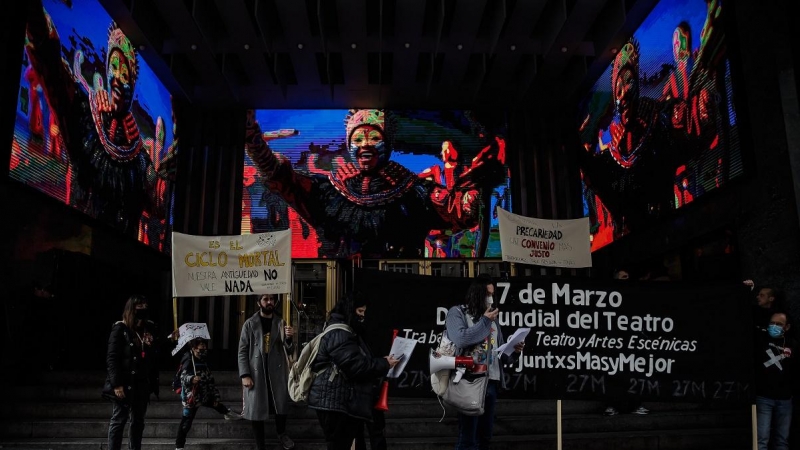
[
  {"x": 375, "y": 431},
  {"x": 340, "y": 429},
  {"x": 258, "y": 426},
  {"x": 134, "y": 408},
  {"x": 258, "y": 429},
  {"x": 188, "y": 418}
]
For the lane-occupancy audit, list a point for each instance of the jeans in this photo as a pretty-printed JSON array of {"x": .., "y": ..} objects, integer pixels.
[
  {"x": 475, "y": 432},
  {"x": 134, "y": 407},
  {"x": 188, "y": 418},
  {"x": 773, "y": 418}
]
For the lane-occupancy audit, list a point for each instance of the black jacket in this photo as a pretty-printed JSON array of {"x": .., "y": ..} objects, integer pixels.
[
  {"x": 128, "y": 364},
  {"x": 349, "y": 372}
]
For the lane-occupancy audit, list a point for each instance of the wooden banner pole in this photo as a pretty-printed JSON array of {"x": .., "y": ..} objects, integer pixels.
[{"x": 558, "y": 424}]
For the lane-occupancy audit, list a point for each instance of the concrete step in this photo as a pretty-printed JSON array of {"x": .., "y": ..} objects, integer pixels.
[
  {"x": 74, "y": 426},
  {"x": 169, "y": 406},
  {"x": 716, "y": 439}
]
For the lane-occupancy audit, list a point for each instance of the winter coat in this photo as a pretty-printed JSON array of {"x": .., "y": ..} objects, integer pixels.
[
  {"x": 126, "y": 365},
  {"x": 349, "y": 371},
  {"x": 251, "y": 362},
  {"x": 205, "y": 392}
]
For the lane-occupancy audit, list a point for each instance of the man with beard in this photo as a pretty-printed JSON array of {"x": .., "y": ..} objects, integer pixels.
[
  {"x": 264, "y": 348},
  {"x": 115, "y": 179},
  {"x": 370, "y": 205}
]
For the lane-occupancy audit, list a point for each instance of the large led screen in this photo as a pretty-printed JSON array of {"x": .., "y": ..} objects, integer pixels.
[
  {"x": 374, "y": 183},
  {"x": 659, "y": 127},
  {"x": 94, "y": 126}
]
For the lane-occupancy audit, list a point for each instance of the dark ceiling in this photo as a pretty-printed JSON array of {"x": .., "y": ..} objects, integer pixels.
[{"x": 378, "y": 53}]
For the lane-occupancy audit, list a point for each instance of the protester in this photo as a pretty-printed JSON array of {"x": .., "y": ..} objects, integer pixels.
[
  {"x": 266, "y": 347},
  {"x": 376, "y": 429},
  {"x": 767, "y": 302},
  {"x": 473, "y": 328},
  {"x": 775, "y": 374},
  {"x": 613, "y": 407},
  {"x": 198, "y": 388},
  {"x": 343, "y": 392},
  {"x": 132, "y": 372}
]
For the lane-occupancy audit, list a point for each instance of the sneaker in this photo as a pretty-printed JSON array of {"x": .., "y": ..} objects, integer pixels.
[
  {"x": 230, "y": 415},
  {"x": 610, "y": 411},
  {"x": 641, "y": 411},
  {"x": 286, "y": 441}
]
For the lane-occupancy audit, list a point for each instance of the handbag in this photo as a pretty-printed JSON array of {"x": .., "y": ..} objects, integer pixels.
[
  {"x": 468, "y": 395},
  {"x": 441, "y": 378}
]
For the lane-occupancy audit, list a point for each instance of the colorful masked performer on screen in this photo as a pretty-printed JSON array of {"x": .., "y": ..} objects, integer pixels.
[
  {"x": 634, "y": 172},
  {"x": 372, "y": 206},
  {"x": 114, "y": 178}
]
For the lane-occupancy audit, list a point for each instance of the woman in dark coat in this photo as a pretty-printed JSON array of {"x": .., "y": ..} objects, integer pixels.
[
  {"x": 342, "y": 394},
  {"x": 132, "y": 372}
]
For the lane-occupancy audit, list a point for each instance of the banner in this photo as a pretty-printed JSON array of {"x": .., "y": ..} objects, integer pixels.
[
  {"x": 554, "y": 243},
  {"x": 589, "y": 339},
  {"x": 231, "y": 265}
]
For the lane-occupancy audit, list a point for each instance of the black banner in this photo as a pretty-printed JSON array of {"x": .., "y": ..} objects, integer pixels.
[{"x": 589, "y": 339}]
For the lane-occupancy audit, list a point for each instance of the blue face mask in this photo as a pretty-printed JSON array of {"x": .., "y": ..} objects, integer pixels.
[{"x": 775, "y": 331}]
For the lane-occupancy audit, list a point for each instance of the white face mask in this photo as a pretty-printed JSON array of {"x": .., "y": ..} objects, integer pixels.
[{"x": 489, "y": 301}]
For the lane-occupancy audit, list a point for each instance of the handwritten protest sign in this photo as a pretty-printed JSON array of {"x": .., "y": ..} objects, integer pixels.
[
  {"x": 190, "y": 331},
  {"x": 553, "y": 243},
  {"x": 231, "y": 265}
]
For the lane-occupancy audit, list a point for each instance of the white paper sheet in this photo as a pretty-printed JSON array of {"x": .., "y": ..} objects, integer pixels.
[
  {"x": 515, "y": 338},
  {"x": 401, "y": 346}
]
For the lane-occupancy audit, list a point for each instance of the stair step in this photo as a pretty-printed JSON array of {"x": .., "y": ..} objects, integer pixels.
[
  {"x": 718, "y": 439},
  {"x": 161, "y": 427}
]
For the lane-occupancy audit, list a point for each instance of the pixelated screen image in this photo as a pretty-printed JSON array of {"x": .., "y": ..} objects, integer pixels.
[
  {"x": 94, "y": 125},
  {"x": 378, "y": 183},
  {"x": 659, "y": 127}
]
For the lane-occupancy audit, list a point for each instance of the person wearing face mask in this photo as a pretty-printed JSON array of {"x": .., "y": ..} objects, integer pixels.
[
  {"x": 375, "y": 429},
  {"x": 132, "y": 372},
  {"x": 474, "y": 329},
  {"x": 343, "y": 394},
  {"x": 775, "y": 372},
  {"x": 198, "y": 388},
  {"x": 266, "y": 347}
]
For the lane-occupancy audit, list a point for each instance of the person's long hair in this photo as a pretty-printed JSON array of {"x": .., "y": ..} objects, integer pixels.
[
  {"x": 345, "y": 307},
  {"x": 475, "y": 300},
  {"x": 129, "y": 313}
]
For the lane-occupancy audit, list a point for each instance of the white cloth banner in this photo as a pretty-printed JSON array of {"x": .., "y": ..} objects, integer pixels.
[
  {"x": 552, "y": 243},
  {"x": 203, "y": 266}
]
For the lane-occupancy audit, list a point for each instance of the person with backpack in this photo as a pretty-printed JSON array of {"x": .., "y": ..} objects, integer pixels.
[
  {"x": 266, "y": 350},
  {"x": 343, "y": 391},
  {"x": 198, "y": 388},
  {"x": 474, "y": 329}
]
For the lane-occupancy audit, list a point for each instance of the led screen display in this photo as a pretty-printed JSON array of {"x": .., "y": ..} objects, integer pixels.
[
  {"x": 94, "y": 125},
  {"x": 659, "y": 127},
  {"x": 377, "y": 183}
]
